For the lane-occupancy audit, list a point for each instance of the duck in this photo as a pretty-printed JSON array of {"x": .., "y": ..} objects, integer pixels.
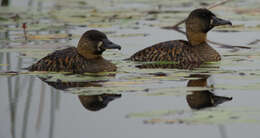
[
  {"x": 194, "y": 50},
  {"x": 86, "y": 57}
]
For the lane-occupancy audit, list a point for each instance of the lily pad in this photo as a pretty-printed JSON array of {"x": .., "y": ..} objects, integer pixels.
[{"x": 208, "y": 116}]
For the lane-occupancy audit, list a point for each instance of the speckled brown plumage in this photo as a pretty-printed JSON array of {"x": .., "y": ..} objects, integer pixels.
[
  {"x": 87, "y": 57},
  {"x": 178, "y": 51},
  {"x": 69, "y": 60},
  {"x": 195, "y": 50}
]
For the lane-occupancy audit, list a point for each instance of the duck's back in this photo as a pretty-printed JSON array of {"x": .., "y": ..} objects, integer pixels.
[
  {"x": 176, "y": 50},
  {"x": 69, "y": 60}
]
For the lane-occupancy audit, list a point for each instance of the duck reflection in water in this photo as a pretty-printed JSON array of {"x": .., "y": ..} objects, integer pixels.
[
  {"x": 203, "y": 98},
  {"x": 90, "y": 102},
  {"x": 97, "y": 102}
]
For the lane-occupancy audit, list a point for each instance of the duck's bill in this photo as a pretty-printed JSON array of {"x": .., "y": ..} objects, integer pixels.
[
  {"x": 107, "y": 44},
  {"x": 218, "y": 21}
]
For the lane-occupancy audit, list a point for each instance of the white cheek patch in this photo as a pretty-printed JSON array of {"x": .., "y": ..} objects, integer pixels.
[
  {"x": 211, "y": 21},
  {"x": 100, "y": 99},
  {"x": 100, "y": 43}
]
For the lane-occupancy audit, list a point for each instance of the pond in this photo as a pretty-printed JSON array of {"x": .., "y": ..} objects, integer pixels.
[{"x": 213, "y": 100}]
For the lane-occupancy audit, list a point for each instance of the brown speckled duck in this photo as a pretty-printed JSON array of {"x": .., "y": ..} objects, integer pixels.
[
  {"x": 87, "y": 57},
  {"x": 195, "y": 50}
]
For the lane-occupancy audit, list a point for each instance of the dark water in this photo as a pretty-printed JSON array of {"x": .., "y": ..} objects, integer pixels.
[{"x": 129, "y": 103}]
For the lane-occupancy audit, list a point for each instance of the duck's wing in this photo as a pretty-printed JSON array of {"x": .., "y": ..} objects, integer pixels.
[
  {"x": 60, "y": 60},
  {"x": 164, "y": 51}
]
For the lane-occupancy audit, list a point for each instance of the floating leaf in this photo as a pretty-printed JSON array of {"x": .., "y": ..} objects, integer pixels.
[
  {"x": 47, "y": 36},
  {"x": 207, "y": 116},
  {"x": 3, "y": 19}
]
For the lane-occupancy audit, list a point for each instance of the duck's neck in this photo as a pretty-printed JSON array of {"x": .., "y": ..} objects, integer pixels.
[
  {"x": 206, "y": 52},
  {"x": 86, "y": 53},
  {"x": 196, "y": 38}
]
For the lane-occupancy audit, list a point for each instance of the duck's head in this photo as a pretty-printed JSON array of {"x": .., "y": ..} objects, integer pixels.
[
  {"x": 93, "y": 43},
  {"x": 199, "y": 22}
]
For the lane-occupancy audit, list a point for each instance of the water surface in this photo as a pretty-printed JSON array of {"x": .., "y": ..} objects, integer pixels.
[{"x": 134, "y": 102}]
